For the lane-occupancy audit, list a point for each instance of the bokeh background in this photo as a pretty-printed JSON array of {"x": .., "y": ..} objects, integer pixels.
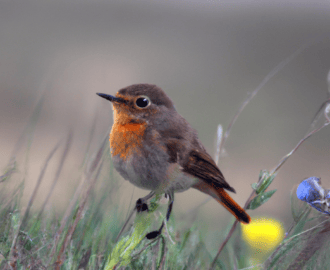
[{"x": 207, "y": 55}]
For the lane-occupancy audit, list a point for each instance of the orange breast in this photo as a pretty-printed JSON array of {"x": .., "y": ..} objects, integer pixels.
[{"x": 125, "y": 137}]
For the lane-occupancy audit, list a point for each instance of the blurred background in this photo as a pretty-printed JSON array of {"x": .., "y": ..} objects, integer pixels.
[{"x": 207, "y": 55}]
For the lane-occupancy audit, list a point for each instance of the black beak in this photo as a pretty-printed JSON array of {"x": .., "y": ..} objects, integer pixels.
[{"x": 112, "y": 98}]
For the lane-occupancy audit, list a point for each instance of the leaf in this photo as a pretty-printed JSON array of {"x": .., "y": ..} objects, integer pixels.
[
  {"x": 260, "y": 199},
  {"x": 254, "y": 186},
  {"x": 122, "y": 252},
  {"x": 306, "y": 250},
  {"x": 267, "y": 180},
  {"x": 301, "y": 221}
]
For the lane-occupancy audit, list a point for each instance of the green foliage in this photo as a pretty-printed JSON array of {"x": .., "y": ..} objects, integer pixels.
[
  {"x": 35, "y": 239},
  {"x": 122, "y": 252},
  {"x": 265, "y": 179},
  {"x": 306, "y": 243},
  {"x": 87, "y": 240},
  {"x": 260, "y": 199},
  {"x": 84, "y": 237},
  {"x": 92, "y": 245}
]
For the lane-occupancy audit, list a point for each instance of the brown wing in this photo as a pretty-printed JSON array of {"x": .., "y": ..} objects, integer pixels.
[
  {"x": 178, "y": 140},
  {"x": 197, "y": 163},
  {"x": 201, "y": 165},
  {"x": 173, "y": 142}
]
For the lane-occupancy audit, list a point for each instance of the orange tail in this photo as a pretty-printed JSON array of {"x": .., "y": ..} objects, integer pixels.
[{"x": 223, "y": 198}]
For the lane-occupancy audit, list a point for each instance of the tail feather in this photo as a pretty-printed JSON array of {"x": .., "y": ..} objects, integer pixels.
[
  {"x": 224, "y": 199},
  {"x": 232, "y": 206}
]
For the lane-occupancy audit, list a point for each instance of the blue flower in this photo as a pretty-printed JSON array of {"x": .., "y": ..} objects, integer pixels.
[{"x": 311, "y": 191}]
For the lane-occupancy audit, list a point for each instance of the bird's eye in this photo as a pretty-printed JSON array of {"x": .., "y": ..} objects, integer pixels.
[{"x": 142, "y": 102}]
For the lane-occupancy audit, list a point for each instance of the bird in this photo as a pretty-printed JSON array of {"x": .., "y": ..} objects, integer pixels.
[{"x": 155, "y": 148}]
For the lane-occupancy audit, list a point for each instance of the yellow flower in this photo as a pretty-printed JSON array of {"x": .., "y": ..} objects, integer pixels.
[{"x": 263, "y": 234}]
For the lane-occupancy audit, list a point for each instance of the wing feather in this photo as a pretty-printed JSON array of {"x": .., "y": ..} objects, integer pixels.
[
  {"x": 196, "y": 163},
  {"x": 201, "y": 165}
]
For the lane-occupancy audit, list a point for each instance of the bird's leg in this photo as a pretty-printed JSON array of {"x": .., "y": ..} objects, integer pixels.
[
  {"x": 141, "y": 203},
  {"x": 170, "y": 206},
  {"x": 154, "y": 234}
]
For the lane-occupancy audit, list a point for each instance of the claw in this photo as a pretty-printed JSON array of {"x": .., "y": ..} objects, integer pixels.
[
  {"x": 153, "y": 235},
  {"x": 141, "y": 206}
]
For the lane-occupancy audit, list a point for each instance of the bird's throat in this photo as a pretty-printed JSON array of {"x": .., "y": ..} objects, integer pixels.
[{"x": 126, "y": 136}]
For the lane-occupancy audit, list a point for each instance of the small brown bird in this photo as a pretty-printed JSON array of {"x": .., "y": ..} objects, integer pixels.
[{"x": 155, "y": 148}]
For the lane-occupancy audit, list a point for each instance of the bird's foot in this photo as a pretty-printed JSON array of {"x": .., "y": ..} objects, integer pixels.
[
  {"x": 141, "y": 203},
  {"x": 154, "y": 234},
  {"x": 141, "y": 206}
]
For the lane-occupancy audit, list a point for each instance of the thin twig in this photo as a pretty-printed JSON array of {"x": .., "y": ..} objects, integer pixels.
[
  {"x": 162, "y": 261},
  {"x": 74, "y": 199},
  {"x": 9, "y": 172},
  {"x": 319, "y": 113},
  {"x": 30, "y": 125},
  {"x": 230, "y": 232},
  {"x": 278, "y": 68},
  {"x": 150, "y": 195},
  {"x": 34, "y": 252},
  {"x": 130, "y": 203},
  {"x": 78, "y": 216},
  {"x": 324, "y": 105},
  {"x": 274, "y": 171},
  {"x": 167, "y": 232},
  {"x": 65, "y": 219},
  {"x": 128, "y": 217},
  {"x": 290, "y": 239},
  {"x": 284, "y": 159},
  {"x": 270, "y": 75},
  {"x": 137, "y": 254},
  {"x": 58, "y": 172},
  {"x": 125, "y": 224},
  {"x": 90, "y": 137},
  {"x": 154, "y": 250},
  {"x": 33, "y": 195},
  {"x": 42, "y": 173},
  {"x": 11, "y": 197}
]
